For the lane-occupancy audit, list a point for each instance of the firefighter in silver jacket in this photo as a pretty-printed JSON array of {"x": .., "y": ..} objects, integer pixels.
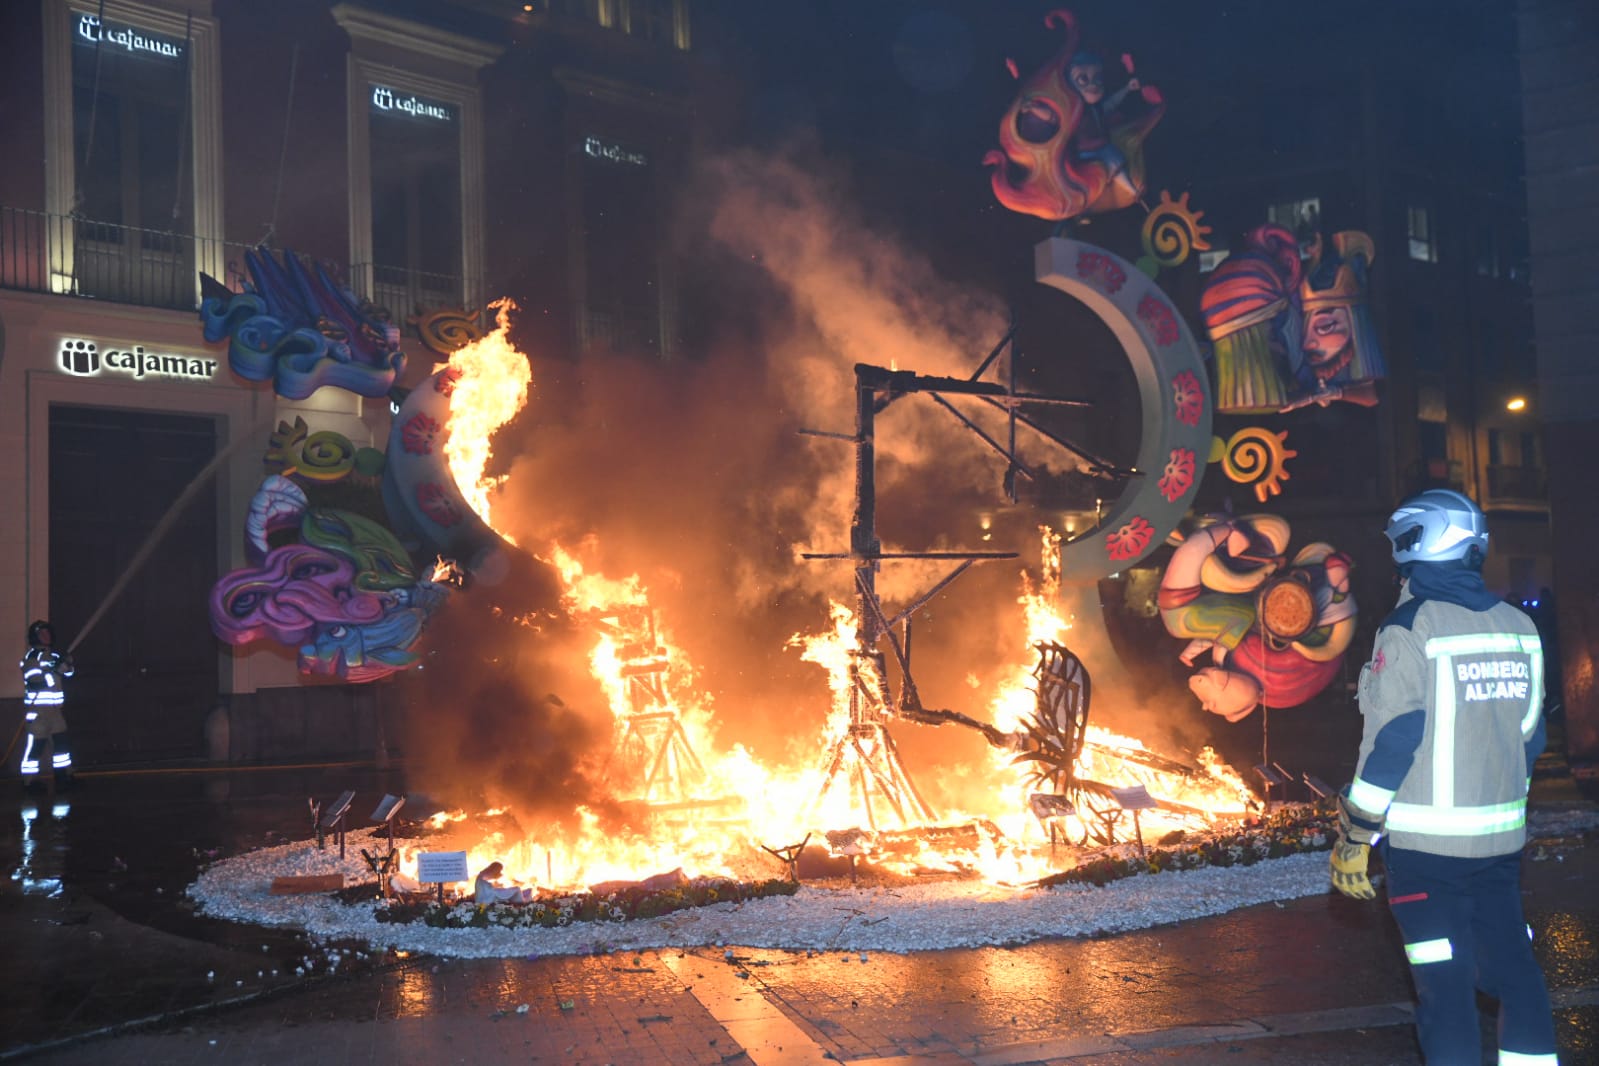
[
  {"x": 1453, "y": 706},
  {"x": 44, "y": 674}
]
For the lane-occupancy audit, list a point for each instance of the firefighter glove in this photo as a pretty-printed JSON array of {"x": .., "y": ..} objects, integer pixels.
[
  {"x": 1356, "y": 825},
  {"x": 1349, "y": 869}
]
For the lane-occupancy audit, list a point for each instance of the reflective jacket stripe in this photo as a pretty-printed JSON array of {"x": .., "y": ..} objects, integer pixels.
[
  {"x": 1482, "y": 644},
  {"x": 1368, "y": 797},
  {"x": 1443, "y": 731},
  {"x": 1425, "y": 951},
  {"x": 1517, "y": 1058},
  {"x": 1457, "y": 821},
  {"x": 1529, "y": 721}
]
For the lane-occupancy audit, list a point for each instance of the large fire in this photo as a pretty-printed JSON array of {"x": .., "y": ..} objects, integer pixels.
[
  {"x": 491, "y": 383},
  {"x": 713, "y": 808}
]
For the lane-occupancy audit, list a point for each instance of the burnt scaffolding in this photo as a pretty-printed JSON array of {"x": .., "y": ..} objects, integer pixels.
[
  {"x": 865, "y": 756},
  {"x": 653, "y": 752}
]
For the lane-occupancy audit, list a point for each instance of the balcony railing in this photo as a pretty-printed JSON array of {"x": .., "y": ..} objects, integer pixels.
[
  {"x": 404, "y": 292},
  {"x": 623, "y": 329},
  {"x": 1518, "y": 483},
  {"x": 73, "y": 256}
]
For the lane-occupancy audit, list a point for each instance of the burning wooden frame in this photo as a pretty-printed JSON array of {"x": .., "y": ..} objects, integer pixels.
[{"x": 865, "y": 756}]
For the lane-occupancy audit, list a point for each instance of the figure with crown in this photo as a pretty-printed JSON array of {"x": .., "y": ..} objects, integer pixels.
[
  {"x": 1289, "y": 323},
  {"x": 1338, "y": 356}
]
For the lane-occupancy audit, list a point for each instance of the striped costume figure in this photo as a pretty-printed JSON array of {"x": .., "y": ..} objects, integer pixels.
[{"x": 1251, "y": 314}]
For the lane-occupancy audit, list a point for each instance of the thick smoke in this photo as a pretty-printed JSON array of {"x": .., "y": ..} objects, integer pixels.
[
  {"x": 504, "y": 712},
  {"x": 694, "y": 475}
]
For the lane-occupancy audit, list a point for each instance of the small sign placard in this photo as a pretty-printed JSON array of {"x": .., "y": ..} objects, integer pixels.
[
  {"x": 1272, "y": 774},
  {"x": 1136, "y": 798},
  {"x": 337, "y": 810},
  {"x": 1318, "y": 786},
  {"x": 440, "y": 867},
  {"x": 387, "y": 809}
]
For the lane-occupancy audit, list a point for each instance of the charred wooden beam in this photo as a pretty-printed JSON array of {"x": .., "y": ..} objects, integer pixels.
[{"x": 934, "y": 716}]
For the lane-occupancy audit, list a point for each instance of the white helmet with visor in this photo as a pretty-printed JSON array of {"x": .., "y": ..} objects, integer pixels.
[{"x": 1437, "y": 526}]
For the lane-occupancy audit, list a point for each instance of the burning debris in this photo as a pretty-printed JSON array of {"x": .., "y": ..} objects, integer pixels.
[{"x": 718, "y": 810}]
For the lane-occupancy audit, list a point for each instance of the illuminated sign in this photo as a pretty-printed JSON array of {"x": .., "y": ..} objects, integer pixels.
[
  {"x": 441, "y": 867},
  {"x": 90, "y": 28},
  {"x": 386, "y": 99},
  {"x": 84, "y": 359},
  {"x": 613, "y": 153}
]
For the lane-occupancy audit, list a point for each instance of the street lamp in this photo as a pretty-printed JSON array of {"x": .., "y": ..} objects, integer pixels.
[{"x": 1516, "y": 403}]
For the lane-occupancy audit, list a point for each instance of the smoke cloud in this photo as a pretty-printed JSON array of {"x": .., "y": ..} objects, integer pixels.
[{"x": 694, "y": 474}]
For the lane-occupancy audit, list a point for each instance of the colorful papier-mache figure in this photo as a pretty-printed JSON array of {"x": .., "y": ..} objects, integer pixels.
[
  {"x": 336, "y": 584},
  {"x": 1067, "y": 147},
  {"x": 1276, "y": 627},
  {"x": 1101, "y": 113},
  {"x": 1292, "y": 328},
  {"x": 1339, "y": 358},
  {"x": 1250, "y": 310}
]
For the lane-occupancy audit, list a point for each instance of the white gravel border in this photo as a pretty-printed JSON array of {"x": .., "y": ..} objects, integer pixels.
[{"x": 917, "y": 917}]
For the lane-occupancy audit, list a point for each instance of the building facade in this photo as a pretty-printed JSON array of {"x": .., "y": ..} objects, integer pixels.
[
  {"x": 1560, "y": 84},
  {"x": 153, "y": 141},
  {"x": 1377, "y": 142},
  {"x": 445, "y": 154}
]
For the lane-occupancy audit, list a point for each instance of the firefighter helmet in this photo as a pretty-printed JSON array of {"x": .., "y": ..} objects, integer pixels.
[
  {"x": 37, "y": 630},
  {"x": 1437, "y": 526}
]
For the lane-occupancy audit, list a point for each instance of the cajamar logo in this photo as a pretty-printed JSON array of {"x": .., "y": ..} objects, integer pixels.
[
  {"x": 80, "y": 357},
  {"x": 83, "y": 358}
]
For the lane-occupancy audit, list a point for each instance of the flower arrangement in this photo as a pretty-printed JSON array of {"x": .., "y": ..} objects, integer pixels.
[
  {"x": 550, "y": 910},
  {"x": 1290, "y": 831}
]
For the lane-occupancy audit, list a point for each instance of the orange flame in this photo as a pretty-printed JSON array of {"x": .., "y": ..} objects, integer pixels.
[
  {"x": 834, "y": 650},
  {"x": 1216, "y": 792},
  {"x": 490, "y": 389}
]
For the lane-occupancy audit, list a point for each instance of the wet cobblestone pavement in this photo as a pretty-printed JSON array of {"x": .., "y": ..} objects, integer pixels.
[{"x": 106, "y": 963}]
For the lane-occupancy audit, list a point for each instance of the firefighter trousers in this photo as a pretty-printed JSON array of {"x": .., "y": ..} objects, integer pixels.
[{"x": 1464, "y": 932}]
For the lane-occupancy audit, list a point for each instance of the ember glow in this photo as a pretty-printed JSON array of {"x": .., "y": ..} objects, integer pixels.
[{"x": 707, "y": 807}]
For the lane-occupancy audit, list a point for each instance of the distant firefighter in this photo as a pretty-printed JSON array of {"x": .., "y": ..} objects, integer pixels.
[{"x": 44, "y": 673}]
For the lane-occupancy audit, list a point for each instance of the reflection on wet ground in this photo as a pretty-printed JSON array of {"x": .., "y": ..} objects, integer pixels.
[
  {"x": 99, "y": 931},
  {"x": 43, "y": 848}
]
